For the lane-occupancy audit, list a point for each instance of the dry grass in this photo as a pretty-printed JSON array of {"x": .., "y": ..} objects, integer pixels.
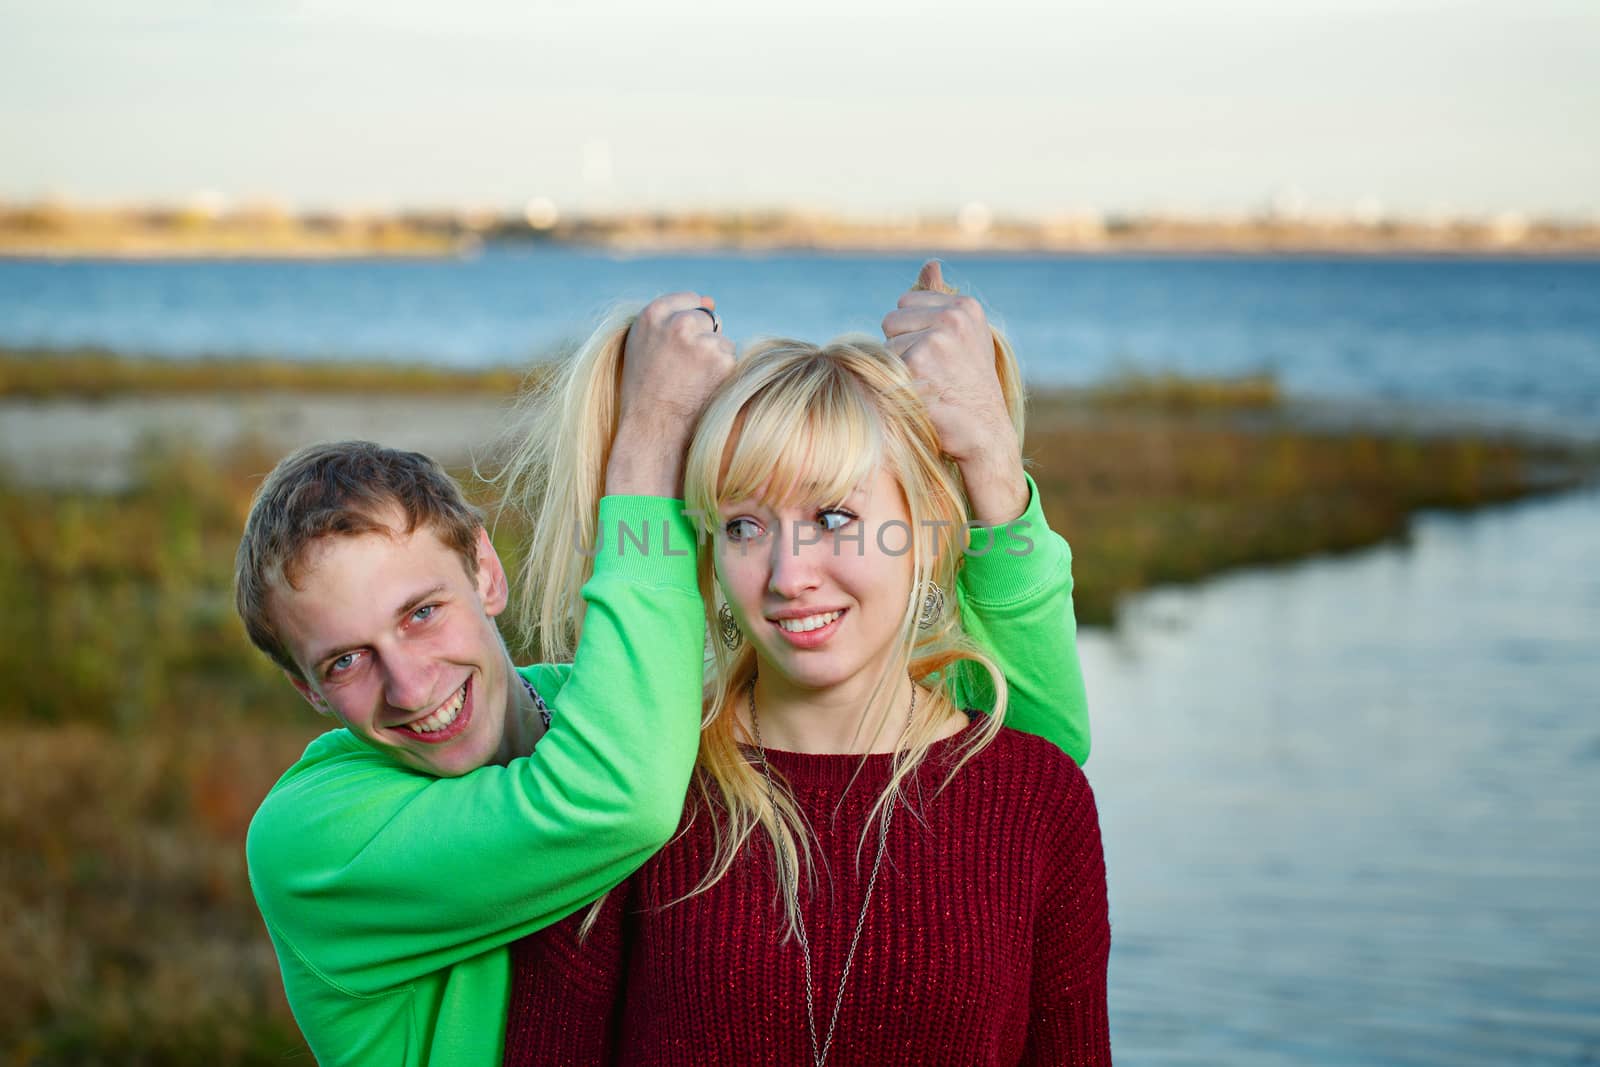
[
  {"x": 1166, "y": 494},
  {"x": 1148, "y": 391},
  {"x": 93, "y": 374},
  {"x": 131, "y": 934}
]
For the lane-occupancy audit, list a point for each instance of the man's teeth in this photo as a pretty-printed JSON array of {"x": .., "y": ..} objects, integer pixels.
[
  {"x": 810, "y": 622},
  {"x": 443, "y": 717}
]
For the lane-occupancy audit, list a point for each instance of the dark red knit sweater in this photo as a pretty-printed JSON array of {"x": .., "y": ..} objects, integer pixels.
[{"x": 985, "y": 943}]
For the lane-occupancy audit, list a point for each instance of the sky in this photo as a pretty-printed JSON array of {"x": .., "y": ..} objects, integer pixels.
[{"x": 860, "y": 107}]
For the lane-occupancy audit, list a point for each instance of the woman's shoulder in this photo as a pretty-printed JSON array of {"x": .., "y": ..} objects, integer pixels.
[
  {"x": 1022, "y": 789},
  {"x": 1030, "y": 749},
  {"x": 1028, "y": 762},
  {"x": 1056, "y": 792}
]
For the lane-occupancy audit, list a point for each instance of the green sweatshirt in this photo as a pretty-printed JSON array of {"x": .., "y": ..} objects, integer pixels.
[
  {"x": 1015, "y": 593},
  {"x": 391, "y": 896}
]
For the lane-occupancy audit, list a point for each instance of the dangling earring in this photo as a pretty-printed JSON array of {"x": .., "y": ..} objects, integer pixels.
[
  {"x": 932, "y": 598},
  {"x": 731, "y": 637}
]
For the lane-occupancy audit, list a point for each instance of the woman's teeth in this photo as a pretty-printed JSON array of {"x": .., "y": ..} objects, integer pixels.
[
  {"x": 810, "y": 622},
  {"x": 443, "y": 717}
]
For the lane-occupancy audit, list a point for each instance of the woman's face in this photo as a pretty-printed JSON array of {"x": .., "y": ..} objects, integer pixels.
[{"x": 820, "y": 593}]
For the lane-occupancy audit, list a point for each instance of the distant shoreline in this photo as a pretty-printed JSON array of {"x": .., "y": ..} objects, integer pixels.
[
  {"x": 1554, "y": 253},
  {"x": 56, "y": 232}
]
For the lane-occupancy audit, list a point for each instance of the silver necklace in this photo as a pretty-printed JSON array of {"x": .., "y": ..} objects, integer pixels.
[
  {"x": 538, "y": 701},
  {"x": 819, "y": 1052}
]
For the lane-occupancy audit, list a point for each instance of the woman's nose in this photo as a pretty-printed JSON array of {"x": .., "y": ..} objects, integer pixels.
[{"x": 796, "y": 559}]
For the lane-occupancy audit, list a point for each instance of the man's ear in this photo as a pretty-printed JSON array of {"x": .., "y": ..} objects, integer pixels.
[
  {"x": 493, "y": 587},
  {"x": 318, "y": 705}
]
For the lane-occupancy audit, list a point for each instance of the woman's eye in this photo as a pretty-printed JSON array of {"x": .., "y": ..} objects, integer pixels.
[
  {"x": 342, "y": 664},
  {"x": 834, "y": 519},
  {"x": 742, "y": 530}
]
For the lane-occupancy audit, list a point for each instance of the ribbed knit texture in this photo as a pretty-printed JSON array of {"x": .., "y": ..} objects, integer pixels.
[{"x": 985, "y": 943}]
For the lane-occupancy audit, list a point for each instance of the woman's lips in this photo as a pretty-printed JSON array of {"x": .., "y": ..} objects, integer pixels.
[{"x": 812, "y": 638}]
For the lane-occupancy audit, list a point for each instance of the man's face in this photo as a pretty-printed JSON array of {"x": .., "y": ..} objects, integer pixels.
[{"x": 397, "y": 641}]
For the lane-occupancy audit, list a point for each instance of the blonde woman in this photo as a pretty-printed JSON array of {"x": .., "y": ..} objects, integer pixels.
[{"x": 870, "y": 870}]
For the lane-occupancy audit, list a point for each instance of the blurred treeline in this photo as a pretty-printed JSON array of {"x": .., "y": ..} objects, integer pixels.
[{"x": 143, "y": 729}]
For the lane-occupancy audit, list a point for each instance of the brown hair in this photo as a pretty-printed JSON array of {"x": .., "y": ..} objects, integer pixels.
[{"x": 342, "y": 489}]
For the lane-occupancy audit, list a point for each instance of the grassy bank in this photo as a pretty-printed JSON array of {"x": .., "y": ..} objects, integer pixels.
[
  {"x": 131, "y": 936},
  {"x": 1185, "y": 480},
  {"x": 144, "y": 729},
  {"x": 94, "y": 374}
]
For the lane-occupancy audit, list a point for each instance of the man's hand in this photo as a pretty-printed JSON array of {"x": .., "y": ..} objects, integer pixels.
[
  {"x": 945, "y": 340},
  {"x": 671, "y": 363}
]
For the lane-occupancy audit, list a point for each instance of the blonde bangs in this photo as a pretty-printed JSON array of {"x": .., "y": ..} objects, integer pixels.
[{"x": 795, "y": 430}]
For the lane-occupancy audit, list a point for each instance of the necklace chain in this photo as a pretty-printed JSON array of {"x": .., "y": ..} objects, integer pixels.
[
  {"x": 538, "y": 701},
  {"x": 819, "y": 1052}
]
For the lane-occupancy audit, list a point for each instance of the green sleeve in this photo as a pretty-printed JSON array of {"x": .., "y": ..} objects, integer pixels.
[
  {"x": 1015, "y": 594},
  {"x": 373, "y": 875}
]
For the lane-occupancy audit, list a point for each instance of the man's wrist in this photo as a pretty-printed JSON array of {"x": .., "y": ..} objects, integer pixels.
[
  {"x": 643, "y": 463},
  {"x": 997, "y": 488}
]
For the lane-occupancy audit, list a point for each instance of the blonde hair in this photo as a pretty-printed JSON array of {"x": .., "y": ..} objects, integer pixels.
[
  {"x": 794, "y": 422},
  {"x": 555, "y": 478}
]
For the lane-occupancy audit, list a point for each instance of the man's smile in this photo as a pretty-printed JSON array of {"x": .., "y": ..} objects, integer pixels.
[{"x": 445, "y": 721}]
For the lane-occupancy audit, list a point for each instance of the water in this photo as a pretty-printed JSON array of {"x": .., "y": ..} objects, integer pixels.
[
  {"x": 1351, "y": 806},
  {"x": 1510, "y": 340}
]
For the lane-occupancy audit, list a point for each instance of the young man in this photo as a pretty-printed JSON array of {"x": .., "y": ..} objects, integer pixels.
[{"x": 397, "y": 860}]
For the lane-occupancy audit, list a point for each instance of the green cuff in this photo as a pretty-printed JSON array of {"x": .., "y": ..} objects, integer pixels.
[
  {"x": 1011, "y": 561},
  {"x": 646, "y": 539}
]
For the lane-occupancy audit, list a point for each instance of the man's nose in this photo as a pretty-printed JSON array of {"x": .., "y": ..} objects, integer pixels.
[{"x": 409, "y": 683}]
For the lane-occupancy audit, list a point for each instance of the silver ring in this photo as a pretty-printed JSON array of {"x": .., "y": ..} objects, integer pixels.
[{"x": 716, "y": 323}]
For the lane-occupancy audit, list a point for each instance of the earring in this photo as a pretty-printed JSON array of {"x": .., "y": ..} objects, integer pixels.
[
  {"x": 731, "y": 637},
  {"x": 932, "y": 600}
]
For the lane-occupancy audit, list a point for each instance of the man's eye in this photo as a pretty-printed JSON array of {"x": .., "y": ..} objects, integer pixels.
[
  {"x": 342, "y": 664},
  {"x": 742, "y": 530},
  {"x": 834, "y": 519},
  {"x": 424, "y": 613}
]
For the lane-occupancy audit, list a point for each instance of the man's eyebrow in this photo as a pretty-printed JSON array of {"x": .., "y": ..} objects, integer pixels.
[
  {"x": 335, "y": 652},
  {"x": 417, "y": 601}
]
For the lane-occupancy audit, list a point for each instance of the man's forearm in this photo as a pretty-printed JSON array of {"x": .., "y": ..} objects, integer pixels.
[
  {"x": 997, "y": 488},
  {"x": 645, "y": 462}
]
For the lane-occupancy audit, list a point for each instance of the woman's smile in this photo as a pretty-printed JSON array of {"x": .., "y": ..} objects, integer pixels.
[{"x": 810, "y": 631}]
